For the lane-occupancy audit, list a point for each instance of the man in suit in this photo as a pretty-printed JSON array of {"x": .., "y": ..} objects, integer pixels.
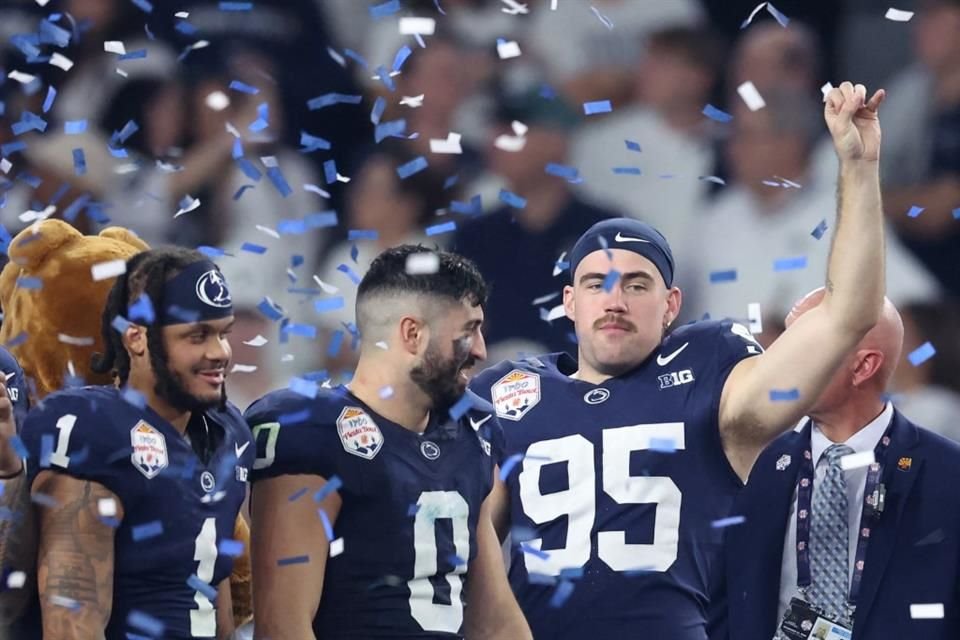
[{"x": 830, "y": 541}]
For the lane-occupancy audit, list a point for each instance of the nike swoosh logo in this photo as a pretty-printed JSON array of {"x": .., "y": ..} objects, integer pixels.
[
  {"x": 622, "y": 238},
  {"x": 240, "y": 449},
  {"x": 663, "y": 361},
  {"x": 7, "y": 376},
  {"x": 476, "y": 424}
]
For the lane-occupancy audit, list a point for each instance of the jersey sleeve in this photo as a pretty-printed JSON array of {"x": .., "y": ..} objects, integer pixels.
[
  {"x": 288, "y": 438},
  {"x": 491, "y": 430},
  {"x": 15, "y": 381},
  {"x": 734, "y": 343},
  {"x": 72, "y": 435}
]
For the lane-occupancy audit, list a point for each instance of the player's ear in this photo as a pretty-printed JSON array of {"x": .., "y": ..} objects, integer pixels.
[
  {"x": 674, "y": 301},
  {"x": 568, "y": 305},
  {"x": 868, "y": 364},
  {"x": 135, "y": 339},
  {"x": 413, "y": 333}
]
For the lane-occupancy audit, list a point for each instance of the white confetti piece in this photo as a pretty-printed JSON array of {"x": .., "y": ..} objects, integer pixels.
[
  {"x": 382, "y": 345},
  {"x": 21, "y": 77},
  {"x": 556, "y": 313},
  {"x": 269, "y": 162},
  {"x": 755, "y": 317},
  {"x": 61, "y": 601},
  {"x": 557, "y": 268},
  {"x": 825, "y": 89},
  {"x": 507, "y": 49},
  {"x": 16, "y": 580},
  {"x": 553, "y": 5},
  {"x": 514, "y": 8},
  {"x": 423, "y": 262},
  {"x": 933, "y": 611},
  {"x": 312, "y": 188},
  {"x": 183, "y": 15},
  {"x": 544, "y": 299},
  {"x": 519, "y": 128},
  {"x": 114, "y": 46},
  {"x": 413, "y": 102},
  {"x": 751, "y": 97},
  {"x": 287, "y": 357},
  {"x": 217, "y": 100},
  {"x": 124, "y": 169},
  {"x": 193, "y": 205},
  {"x": 243, "y": 368},
  {"x": 258, "y": 341},
  {"x": 77, "y": 341},
  {"x": 273, "y": 233},
  {"x": 336, "y": 547},
  {"x": 857, "y": 460},
  {"x": 327, "y": 288},
  {"x": 5, "y": 165},
  {"x": 61, "y": 61},
  {"x": 341, "y": 178},
  {"x": 109, "y": 269},
  {"x": 421, "y": 26},
  {"x": 232, "y": 130},
  {"x": 122, "y": 73},
  {"x": 107, "y": 507},
  {"x": 450, "y": 145},
  {"x": 34, "y": 216},
  {"x": 898, "y": 15}
]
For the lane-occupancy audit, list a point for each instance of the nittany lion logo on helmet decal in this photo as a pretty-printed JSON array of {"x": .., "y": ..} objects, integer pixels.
[{"x": 212, "y": 289}]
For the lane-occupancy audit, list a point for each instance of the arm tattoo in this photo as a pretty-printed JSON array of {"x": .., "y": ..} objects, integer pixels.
[
  {"x": 75, "y": 568},
  {"x": 18, "y": 546}
]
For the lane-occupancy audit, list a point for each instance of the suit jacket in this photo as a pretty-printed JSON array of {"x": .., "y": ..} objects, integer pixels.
[{"x": 913, "y": 556}]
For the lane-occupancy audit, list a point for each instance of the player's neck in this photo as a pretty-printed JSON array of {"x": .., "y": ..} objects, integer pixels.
[
  {"x": 843, "y": 422},
  {"x": 406, "y": 405},
  {"x": 586, "y": 374},
  {"x": 176, "y": 417}
]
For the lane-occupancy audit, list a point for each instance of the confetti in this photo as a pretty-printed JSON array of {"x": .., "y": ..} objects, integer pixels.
[
  {"x": 421, "y": 26},
  {"x": 362, "y": 234},
  {"x": 16, "y": 580},
  {"x": 444, "y": 227},
  {"x": 512, "y": 200},
  {"x": 147, "y": 531},
  {"x": 514, "y": 8},
  {"x": 336, "y": 342},
  {"x": 203, "y": 587},
  {"x": 921, "y": 354},
  {"x": 257, "y": 341},
  {"x": 143, "y": 5},
  {"x": 663, "y": 445},
  {"x": 114, "y": 46},
  {"x": 74, "y": 127},
  {"x": 755, "y": 317},
  {"x": 956, "y": 214},
  {"x": 336, "y": 547},
  {"x": 61, "y": 61},
  {"x": 610, "y": 280},
  {"x": 730, "y": 275},
  {"x": 270, "y": 309},
  {"x": 932, "y": 611},
  {"x": 236, "y": 6},
  {"x": 329, "y": 99},
  {"x": 328, "y": 304},
  {"x": 716, "y": 114},
  {"x": 790, "y": 264},
  {"x": 29, "y": 282},
  {"x": 305, "y": 388},
  {"x": 109, "y": 269},
  {"x": 423, "y": 262},
  {"x": 79, "y": 162},
  {"x": 279, "y": 182},
  {"x": 562, "y": 171},
  {"x": 350, "y": 273},
  {"x": 230, "y": 548},
  {"x": 820, "y": 229},
  {"x": 412, "y": 101},
  {"x": 450, "y": 145},
  {"x": 898, "y": 15},
  {"x": 526, "y": 547},
  {"x": 562, "y": 594},
  {"x": 784, "y": 395},
  {"x": 507, "y": 49},
  {"x": 598, "y": 106},
  {"x": 607, "y": 22},
  {"x": 80, "y": 342},
  {"x": 461, "y": 406},
  {"x": 333, "y": 484},
  {"x": 857, "y": 460},
  {"x": 915, "y": 211},
  {"x": 385, "y": 9},
  {"x": 713, "y": 179},
  {"x": 243, "y": 368},
  {"x": 415, "y": 166},
  {"x": 750, "y": 96},
  {"x": 386, "y": 392},
  {"x": 633, "y": 146},
  {"x": 508, "y": 466},
  {"x": 146, "y": 623},
  {"x": 402, "y": 54},
  {"x": 188, "y": 204}
]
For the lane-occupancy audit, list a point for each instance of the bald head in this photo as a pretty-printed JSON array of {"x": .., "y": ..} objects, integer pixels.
[{"x": 886, "y": 337}]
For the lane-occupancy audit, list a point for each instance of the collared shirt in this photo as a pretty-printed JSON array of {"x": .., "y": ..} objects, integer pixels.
[{"x": 865, "y": 439}]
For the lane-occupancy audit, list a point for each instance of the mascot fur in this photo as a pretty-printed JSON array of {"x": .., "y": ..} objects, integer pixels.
[{"x": 53, "y": 331}]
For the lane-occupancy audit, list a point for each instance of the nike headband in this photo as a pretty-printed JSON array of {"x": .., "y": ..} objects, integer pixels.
[
  {"x": 629, "y": 234},
  {"x": 197, "y": 293}
]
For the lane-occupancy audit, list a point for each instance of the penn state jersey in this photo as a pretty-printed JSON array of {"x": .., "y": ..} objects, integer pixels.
[
  {"x": 614, "y": 487},
  {"x": 177, "y": 507},
  {"x": 16, "y": 384},
  {"x": 410, "y": 506}
]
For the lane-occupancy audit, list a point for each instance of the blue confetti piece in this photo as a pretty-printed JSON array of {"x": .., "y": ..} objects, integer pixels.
[
  {"x": 627, "y": 171},
  {"x": 321, "y": 219},
  {"x": 143, "y": 5},
  {"x": 328, "y": 304},
  {"x": 915, "y": 211},
  {"x": 134, "y": 398},
  {"x": 18, "y": 447},
  {"x": 253, "y": 248},
  {"x": 46, "y": 449},
  {"x": 117, "y": 153},
  {"x": 230, "y": 548},
  {"x": 243, "y": 87},
  {"x": 508, "y": 466},
  {"x": 562, "y": 171},
  {"x": 610, "y": 280},
  {"x": 52, "y": 34},
  {"x": 29, "y": 282},
  {"x": 330, "y": 171},
  {"x": 146, "y": 531},
  {"x": 956, "y": 214},
  {"x": 921, "y": 354},
  {"x": 211, "y": 252},
  {"x": 296, "y": 495},
  {"x": 378, "y": 108},
  {"x": 8, "y": 149},
  {"x": 633, "y": 146},
  {"x": 820, "y": 229},
  {"x": 142, "y": 309},
  {"x": 663, "y": 445},
  {"x": 444, "y": 227},
  {"x": 330, "y": 99},
  {"x": 787, "y": 395},
  {"x": 136, "y": 54},
  {"x": 304, "y": 330},
  {"x": 732, "y": 521},
  {"x": 730, "y": 275},
  {"x": 248, "y": 169},
  {"x": 327, "y": 526},
  {"x": 716, "y": 114},
  {"x": 128, "y": 130},
  {"x": 356, "y": 57},
  {"x": 146, "y": 623},
  {"x": 461, "y": 406},
  {"x": 533, "y": 551},
  {"x": 237, "y": 151},
  {"x": 279, "y": 182},
  {"x": 236, "y": 6},
  {"x": 402, "y": 54},
  {"x": 74, "y": 208},
  {"x": 203, "y": 587},
  {"x": 354, "y": 253},
  {"x": 186, "y": 29},
  {"x": 456, "y": 560},
  {"x": 305, "y": 388},
  {"x": 333, "y": 484},
  {"x": 79, "y": 162},
  {"x": 48, "y": 101},
  {"x": 474, "y": 207},
  {"x": 268, "y": 308},
  {"x": 562, "y": 594},
  {"x": 336, "y": 342},
  {"x": 242, "y": 190},
  {"x": 384, "y": 77},
  {"x": 597, "y": 106},
  {"x": 391, "y": 129},
  {"x": 362, "y": 234},
  {"x": 119, "y": 324},
  {"x": 779, "y": 17},
  {"x": 790, "y": 264},
  {"x": 415, "y": 166},
  {"x": 350, "y": 273},
  {"x": 452, "y": 180},
  {"x": 512, "y": 200},
  {"x": 385, "y": 9},
  {"x": 312, "y": 143}
]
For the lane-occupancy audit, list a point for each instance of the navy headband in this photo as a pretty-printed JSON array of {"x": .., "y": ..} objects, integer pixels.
[
  {"x": 197, "y": 293},
  {"x": 629, "y": 234}
]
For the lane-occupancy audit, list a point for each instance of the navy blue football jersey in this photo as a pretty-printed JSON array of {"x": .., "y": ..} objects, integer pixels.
[
  {"x": 614, "y": 487},
  {"x": 177, "y": 507},
  {"x": 16, "y": 382},
  {"x": 410, "y": 505}
]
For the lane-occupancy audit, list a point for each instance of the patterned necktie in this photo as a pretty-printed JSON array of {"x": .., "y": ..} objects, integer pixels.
[{"x": 829, "y": 535}]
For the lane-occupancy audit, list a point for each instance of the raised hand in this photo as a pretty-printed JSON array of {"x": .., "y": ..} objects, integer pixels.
[{"x": 853, "y": 122}]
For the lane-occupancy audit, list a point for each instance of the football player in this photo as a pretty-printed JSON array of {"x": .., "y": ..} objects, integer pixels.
[
  {"x": 369, "y": 502},
  {"x": 138, "y": 485},
  {"x": 627, "y": 460}
]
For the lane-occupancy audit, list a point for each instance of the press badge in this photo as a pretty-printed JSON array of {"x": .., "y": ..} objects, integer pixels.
[{"x": 803, "y": 622}]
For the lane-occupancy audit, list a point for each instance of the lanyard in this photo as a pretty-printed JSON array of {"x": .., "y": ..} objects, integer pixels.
[{"x": 873, "y": 495}]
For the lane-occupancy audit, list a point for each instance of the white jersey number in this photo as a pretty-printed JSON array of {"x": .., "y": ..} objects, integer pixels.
[{"x": 578, "y": 501}]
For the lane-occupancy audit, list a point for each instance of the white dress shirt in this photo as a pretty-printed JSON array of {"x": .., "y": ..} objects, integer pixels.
[{"x": 865, "y": 439}]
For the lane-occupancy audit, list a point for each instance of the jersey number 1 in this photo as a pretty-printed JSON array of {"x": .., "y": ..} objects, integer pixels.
[
  {"x": 203, "y": 619},
  {"x": 579, "y": 501}
]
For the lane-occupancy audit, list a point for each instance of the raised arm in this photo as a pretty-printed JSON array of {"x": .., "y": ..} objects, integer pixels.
[
  {"x": 286, "y": 596},
  {"x": 75, "y": 562},
  {"x": 801, "y": 362}
]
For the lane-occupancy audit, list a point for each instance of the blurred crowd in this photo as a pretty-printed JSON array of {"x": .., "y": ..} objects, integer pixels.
[{"x": 295, "y": 139}]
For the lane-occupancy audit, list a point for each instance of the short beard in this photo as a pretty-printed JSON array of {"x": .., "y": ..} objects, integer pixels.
[
  {"x": 170, "y": 386},
  {"x": 439, "y": 378}
]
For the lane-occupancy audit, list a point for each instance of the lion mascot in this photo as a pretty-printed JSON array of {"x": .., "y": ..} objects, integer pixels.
[{"x": 53, "y": 292}]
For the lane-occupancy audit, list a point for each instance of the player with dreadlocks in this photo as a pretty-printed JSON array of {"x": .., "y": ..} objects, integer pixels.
[{"x": 140, "y": 483}]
